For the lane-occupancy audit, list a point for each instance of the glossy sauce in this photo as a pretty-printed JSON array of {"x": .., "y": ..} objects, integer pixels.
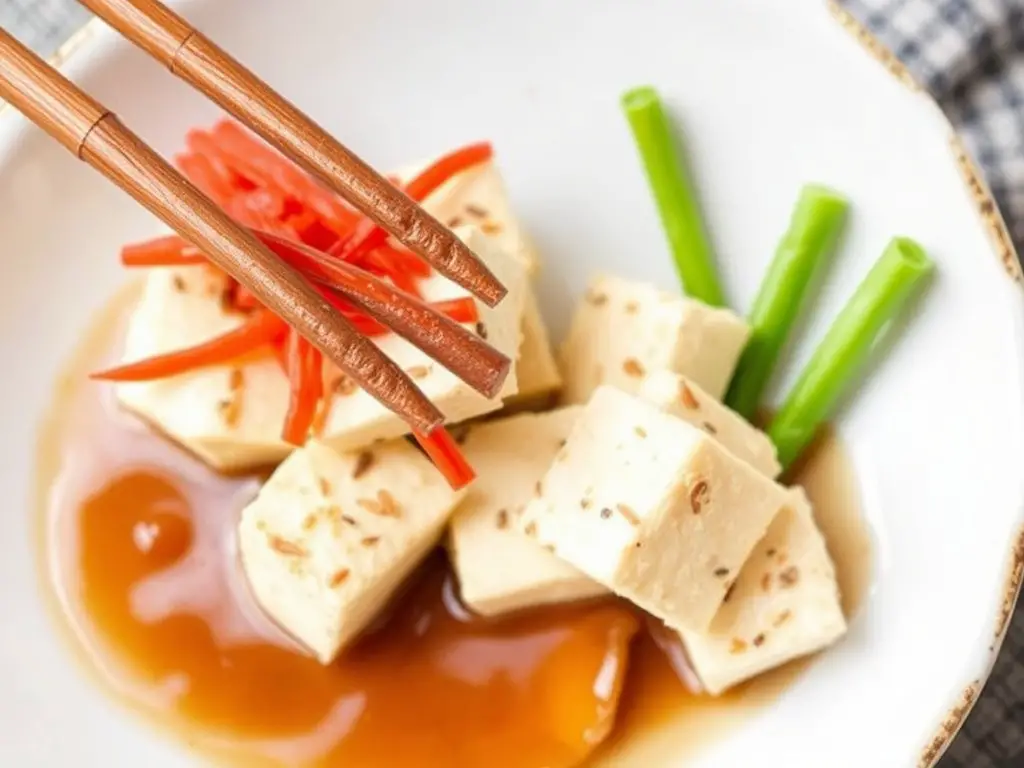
[{"x": 139, "y": 543}]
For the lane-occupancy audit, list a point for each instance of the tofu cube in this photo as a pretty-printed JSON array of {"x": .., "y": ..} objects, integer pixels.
[
  {"x": 784, "y": 604},
  {"x": 652, "y": 507},
  {"x": 228, "y": 415},
  {"x": 478, "y": 197},
  {"x": 499, "y": 568},
  {"x": 536, "y": 370},
  {"x": 622, "y": 331},
  {"x": 232, "y": 415},
  {"x": 685, "y": 399},
  {"x": 331, "y": 536}
]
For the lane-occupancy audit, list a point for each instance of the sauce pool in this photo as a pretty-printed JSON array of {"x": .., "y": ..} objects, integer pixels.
[{"x": 139, "y": 545}]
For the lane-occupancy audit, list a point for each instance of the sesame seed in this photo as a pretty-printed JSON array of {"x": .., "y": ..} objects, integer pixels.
[
  {"x": 339, "y": 578},
  {"x": 285, "y": 547},
  {"x": 632, "y": 367},
  {"x": 627, "y": 512},
  {"x": 687, "y": 397}
]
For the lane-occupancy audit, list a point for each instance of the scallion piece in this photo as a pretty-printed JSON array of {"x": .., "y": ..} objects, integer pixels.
[
  {"x": 813, "y": 230},
  {"x": 848, "y": 343},
  {"x": 674, "y": 195}
]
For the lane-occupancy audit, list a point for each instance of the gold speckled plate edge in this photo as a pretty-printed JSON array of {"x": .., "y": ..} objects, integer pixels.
[
  {"x": 984, "y": 203},
  {"x": 1004, "y": 249},
  {"x": 995, "y": 226}
]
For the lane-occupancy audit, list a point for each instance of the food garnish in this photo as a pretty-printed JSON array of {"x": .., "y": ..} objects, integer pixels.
[
  {"x": 318, "y": 235},
  {"x": 874, "y": 307},
  {"x": 814, "y": 228},
  {"x": 674, "y": 194}
]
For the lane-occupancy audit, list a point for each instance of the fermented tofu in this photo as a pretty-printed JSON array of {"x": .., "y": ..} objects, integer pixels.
[
  {"x": 785, "y": 604},
  {"x": 331, "y": 536},
  {"x": 622, "y": 331},
  {"x": 478, "y": 197},
  {"x": 684, "y": 399},
  {"x": 232, "y": 415},
  {"x": 499, "y": 568},
  {"x": 652, "y": 507},
  {"x": 536, "y": 370}
]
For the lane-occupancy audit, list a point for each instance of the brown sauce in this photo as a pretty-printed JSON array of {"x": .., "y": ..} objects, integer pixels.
[{"x": 138, "y": 543}]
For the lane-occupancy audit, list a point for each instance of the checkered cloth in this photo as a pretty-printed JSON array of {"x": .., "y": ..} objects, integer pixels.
[
  {"x": 42, "y": 24},
  {"x": 970, "y": 55}
]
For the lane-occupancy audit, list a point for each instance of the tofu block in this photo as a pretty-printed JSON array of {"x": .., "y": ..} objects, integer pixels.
[
  {"x": 499, "y": 568},
  {"x": 784, "y": 604},
  {"x": 685, "y": 399},
  {"x": 652, "y": 507},
  {"x": 228, "y": 415},
  {"x": 622, "y": 331},
  {"x": 331, "y": 536},
  {"x": 231, "y": 415},
  {"x": 478, "y": 197},
  {"x": 536, "y": 370}
]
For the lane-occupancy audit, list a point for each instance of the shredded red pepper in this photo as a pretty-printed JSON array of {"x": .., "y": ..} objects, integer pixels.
[
  {"x": 306, "y": 387},
  {"x": 260, "y": 329},
  {"x": 446, "y": 167},
  {"x": 262, "y": 190},
  {"x": 461, "y": 310},
  {"x": 446, "y": 455},
  {"x": 169, "y": 251}
]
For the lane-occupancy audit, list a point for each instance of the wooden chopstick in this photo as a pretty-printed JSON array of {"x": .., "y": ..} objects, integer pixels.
[
  {"x": 95, "y": 135},
  {"x": 201, "y": 63},
  {"x": 461, "y": 351}
]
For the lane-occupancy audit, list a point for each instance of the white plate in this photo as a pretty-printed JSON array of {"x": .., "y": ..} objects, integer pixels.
[{"x": 770, "y": 98}]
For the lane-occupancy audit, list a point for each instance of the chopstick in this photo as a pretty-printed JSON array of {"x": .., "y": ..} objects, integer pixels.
[
  {"x": 95, "y": 135},
  {"x": 198, "y": 61},
  {"x": 459, "y": 350}
]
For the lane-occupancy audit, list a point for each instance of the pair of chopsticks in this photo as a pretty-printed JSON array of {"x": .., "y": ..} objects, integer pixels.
[{"x": 94, "y": 134}]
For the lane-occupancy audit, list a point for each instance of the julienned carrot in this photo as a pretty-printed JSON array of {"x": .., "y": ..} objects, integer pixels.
[
  {"x": 405, "y": 260},
  {"x": 447, "y": 166},
  {"x": 305, "y": 378},
  {"x": 262, "y": 164},
  {"x": 210, "y": 177},
  {"x": 260, "y": 329},
  {"x": 462, "y": 310},
  {"x": 363, "y": 239},
  {"x": 446, "y": 455},
  {"x": 167, "y": 251}
]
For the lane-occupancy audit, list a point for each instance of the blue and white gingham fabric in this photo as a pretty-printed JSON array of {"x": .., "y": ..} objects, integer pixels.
[{"x": 969, "y": 54}]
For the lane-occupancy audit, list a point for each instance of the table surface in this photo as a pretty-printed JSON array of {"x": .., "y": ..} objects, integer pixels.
[{"x": 993, "y": 736}]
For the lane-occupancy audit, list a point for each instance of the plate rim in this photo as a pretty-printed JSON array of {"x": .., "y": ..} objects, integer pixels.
[{"x": 985, "y": 207}]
